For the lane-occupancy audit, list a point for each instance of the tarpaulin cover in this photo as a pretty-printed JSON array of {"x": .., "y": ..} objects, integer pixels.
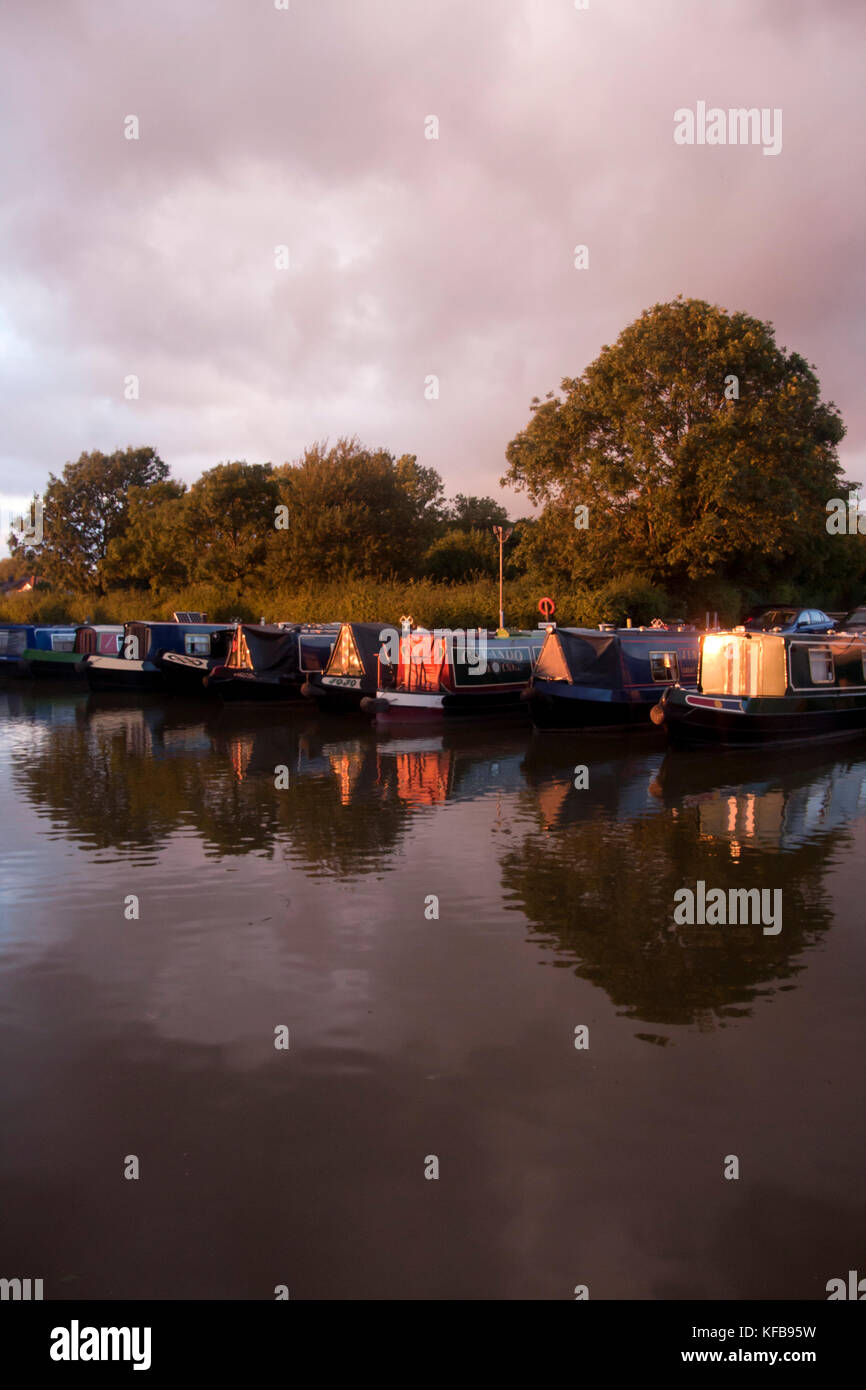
[
  {"x": 581, "y": 657},
  {"x": 271, "y": 648}
]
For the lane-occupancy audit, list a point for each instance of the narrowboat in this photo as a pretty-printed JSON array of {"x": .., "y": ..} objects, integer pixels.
[
  {"x": 430, "y": 675},
  {"x": 19, "y": 642},
  {"x": 352, "y": 671},
  {"x": 89, "y": 640},
  {"x": 762, "y": 687},
  {"x": 608, "y": 678},
  {"x": 138, "y": 664},
  {"x": 270, "y": 661}
]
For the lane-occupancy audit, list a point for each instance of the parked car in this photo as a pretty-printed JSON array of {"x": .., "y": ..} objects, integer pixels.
[{"x": 783, "y": 617}]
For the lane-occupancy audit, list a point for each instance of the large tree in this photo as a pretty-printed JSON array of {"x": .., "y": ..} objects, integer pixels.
[
  {"x": 355, "y": 511},
  {"x": 475, "y": 513},
  {"x": 701, "y": 449},
  {"x": 228, "y": 516},
  {"x": 85, "y": 509},
  {"x": 153, "y": 550}
]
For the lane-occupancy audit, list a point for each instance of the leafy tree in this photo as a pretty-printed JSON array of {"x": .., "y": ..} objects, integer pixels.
[
  {"x": 701, "y": 449},
  {"x": 460, "y": 553},
  {"x": 85, "y": 509},
  {"x": 475, "y": 513},
  {"x": 152, "y": 552},
  {"x": 355, "y": 511},
  {"x": 229, "y": 514}
]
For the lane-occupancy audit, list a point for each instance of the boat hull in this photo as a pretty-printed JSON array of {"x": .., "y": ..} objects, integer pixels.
[
  {"x": 338, "y": 694},
  {"x": 55, "y": 666},
  {"x": 400, "y": 707},
  {"x": 573, "y": 707},
  {"x": 693, "y": 720},
  {"x": 185, "y": 675},
  {"x": 123, "y": 676},
  {"x": 245, "y": 687}
]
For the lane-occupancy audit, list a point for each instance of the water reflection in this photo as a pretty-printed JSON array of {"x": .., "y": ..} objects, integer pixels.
[
  {"x": 410, "y": 1034},
  {"x": 597, "y": 874}
]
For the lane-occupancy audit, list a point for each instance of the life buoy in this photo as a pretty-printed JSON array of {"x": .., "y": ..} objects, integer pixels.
[{"x": 546, "y": 607}]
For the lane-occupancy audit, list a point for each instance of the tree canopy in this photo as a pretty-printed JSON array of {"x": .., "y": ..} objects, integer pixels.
[
  {"x": 700, "y": 449},
  {"x": 85, "y": 509}
]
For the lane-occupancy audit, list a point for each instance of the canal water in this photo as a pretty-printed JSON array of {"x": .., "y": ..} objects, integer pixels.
[{"x": 289, "y": 1003}]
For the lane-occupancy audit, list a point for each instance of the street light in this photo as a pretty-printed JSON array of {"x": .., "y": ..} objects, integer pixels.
[{"x": 502, "y": 534}]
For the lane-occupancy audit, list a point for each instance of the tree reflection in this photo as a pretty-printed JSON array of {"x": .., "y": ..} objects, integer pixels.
[{"x": 597, "y": 878}]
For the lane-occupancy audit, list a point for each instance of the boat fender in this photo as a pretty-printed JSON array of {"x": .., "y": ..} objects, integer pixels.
[
  {"x": 308, "y": 690},
  {"x": 374, "y": 704},
  {"x": 657, "y": 713}
]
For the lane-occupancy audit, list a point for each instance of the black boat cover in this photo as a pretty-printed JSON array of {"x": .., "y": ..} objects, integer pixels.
[
  {"x": 581, "y": 657},
  {"x": 271, "y": 648}
]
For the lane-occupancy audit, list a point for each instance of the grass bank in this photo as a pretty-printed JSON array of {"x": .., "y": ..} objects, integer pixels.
[{"x": 430, "y": 603}]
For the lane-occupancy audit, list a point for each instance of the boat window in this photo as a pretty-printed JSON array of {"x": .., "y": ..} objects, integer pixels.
[
  {"x": 63, "y": 641},
  {"x": 664, "y": 666},
  {"x": 197, "y": 643},
  {"x": 821, "y": 665},
  {"x": 12, "y": 643}
]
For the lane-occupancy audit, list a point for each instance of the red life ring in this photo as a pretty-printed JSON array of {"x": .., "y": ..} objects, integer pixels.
[{"x": 546, "y": 607}]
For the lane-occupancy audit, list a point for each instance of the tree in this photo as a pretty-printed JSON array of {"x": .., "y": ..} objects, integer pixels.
[
  {"x": 460, "y": 553},
  {"x": 475, "y": 513},
  {"x": 152, "y": 550},
  {"x": 355, "y": 511},
  {"x": 700, "y": 449},
  {"x": 85, "y": 509},
  {"x": 228, "y": 516}
]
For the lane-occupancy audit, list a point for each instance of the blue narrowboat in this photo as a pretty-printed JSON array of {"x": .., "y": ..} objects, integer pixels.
[
  {"x": 138, "y": 666},
  {"x": 608, "y": 678},
  {"x": 20, "y": 641}
]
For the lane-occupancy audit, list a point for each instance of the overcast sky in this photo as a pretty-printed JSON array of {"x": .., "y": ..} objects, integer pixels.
[{"x": 305, "y": 128}]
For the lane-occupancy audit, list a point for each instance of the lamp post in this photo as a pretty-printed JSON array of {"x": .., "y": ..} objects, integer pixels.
[{"x": 502, "y": 534}]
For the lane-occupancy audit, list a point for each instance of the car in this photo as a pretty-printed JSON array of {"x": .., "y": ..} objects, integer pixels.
[{"x": 787, "y": 617}]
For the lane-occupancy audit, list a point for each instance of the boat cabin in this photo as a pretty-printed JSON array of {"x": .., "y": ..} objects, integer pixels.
[{"x": 778, "y": 664}]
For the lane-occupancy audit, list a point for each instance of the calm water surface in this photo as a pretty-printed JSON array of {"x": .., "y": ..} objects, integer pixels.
[{"x": 410, "y": 1037}]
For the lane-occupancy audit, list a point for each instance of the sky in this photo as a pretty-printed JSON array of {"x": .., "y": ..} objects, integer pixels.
[{"x": 405, "y": 257}]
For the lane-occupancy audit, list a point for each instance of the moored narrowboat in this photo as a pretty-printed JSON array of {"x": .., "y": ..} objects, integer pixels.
[
  {"x": 68, "y": 664},
  {"x": 138, "y": 665},
  {"x": 20, "y": 642},
  {"x": 762, "y": 687},
  {"x": 270, "y": 661},
  {"x": 430, "y": 675},
  {"x": 352, "y": 670},
  {"x": 610, "y": 678}
]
